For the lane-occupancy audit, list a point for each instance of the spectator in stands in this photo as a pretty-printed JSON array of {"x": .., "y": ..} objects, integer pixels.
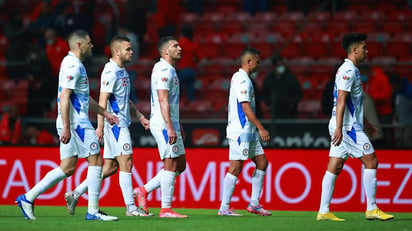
[
  {"x": 41, "y": 85},
  {"x": 10, "y": 126},
  {"x": 254, "y": 6},
  {"x": 282, "y": 90},
  {"x": 136, "y": 19},
  {"x": 19, "y": 42},
  {"x": 75, "y": 15},
  {"x": 403, "y": 110},
  {"x": 195, "y": 6},
  {"x": 167, "y": 17},
  {"x": 376, "y": 84},
  {"x": 35, "y": 136},
  {"x": 56, "y": 49},
  {"x": 42, "y": 20},
  {"x": 187, "y": 65}
]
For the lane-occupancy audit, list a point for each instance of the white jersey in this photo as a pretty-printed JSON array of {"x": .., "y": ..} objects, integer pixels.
[
  {"x": 73, "y": 76},
  {"x": 348, "y": 79},
  {"x": 164, "y": 77},
  {"x": 239, "y": 127},
  {"x": 115, "y": 80}
]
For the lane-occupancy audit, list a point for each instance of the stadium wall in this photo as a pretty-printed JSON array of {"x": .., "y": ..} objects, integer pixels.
[{"x": 293, "y": 179}]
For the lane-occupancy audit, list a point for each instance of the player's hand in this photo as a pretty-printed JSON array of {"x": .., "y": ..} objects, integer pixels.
[
  {"x": 370, "y": 129},
  {"x": 112, "y": 119},
  {"x": 65, "y": 136},
  {"x": 337, "y": 137},
  {"x": 172, "y": 136},
  {"x": 145, "y": 123},
  {"x": 264, "y": 134},
  {"x": 99, "y": 133}
]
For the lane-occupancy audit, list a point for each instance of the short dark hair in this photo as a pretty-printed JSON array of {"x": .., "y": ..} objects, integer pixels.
[
  {"x": 77, "y": 33},
  {"x": 351, "y": 38},
  {"x": 249, "y": 50},
  {"x": 119, "y": 38},
  {"x": 162, "y": 41}
]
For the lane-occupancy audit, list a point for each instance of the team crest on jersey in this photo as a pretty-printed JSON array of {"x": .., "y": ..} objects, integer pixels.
[
  {"x": 93, "y": 146},
  {"x": 164, "y": 79},
  {"x": 175, "y": 149},
  {"x": 105, "y": 83},
  {"x": 70, "y": 77},
  {"x": 126, "y": 146},
  {"x": 245, "y": 152},
  {"x": 345, "y": 77},
  {"x": 366, "y": 146}
]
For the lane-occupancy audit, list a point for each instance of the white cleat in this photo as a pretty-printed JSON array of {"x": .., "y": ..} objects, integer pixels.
[
  {"x": 100, "y": 216},
  {"x": 71, "y": 202},
  {"x": 26, "y": 207},
  {"x": 138, "y": 213}
]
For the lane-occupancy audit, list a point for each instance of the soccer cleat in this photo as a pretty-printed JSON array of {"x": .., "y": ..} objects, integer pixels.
[
  {"x": 71, "y": 202},
  {"x": 228, "y": 212},
  {"x": 259, "y": 210},
  {"x": 378, "y": 214},
  {"x": 138, "y": 213},
  {"x": 328, "y": 217},
  {"x": 169, "y": 213},
  {"x": 100, "y": 216},
  {"x": 141, "y": 197},
  {"x": 26, "y": 207}
]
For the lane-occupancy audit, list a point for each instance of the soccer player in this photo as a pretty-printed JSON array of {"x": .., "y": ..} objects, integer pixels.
[
  {"x": 346, "y": 127},
  {"x": 114, "y": 96},
  {"x": 165, "y": 127},
  {"x": 243, "y": 137},
  {"x": 76, "y": 133}
]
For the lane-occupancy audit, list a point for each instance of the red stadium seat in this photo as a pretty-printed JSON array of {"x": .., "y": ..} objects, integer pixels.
[
  {"x": 398, "y": 49},
  {"x": 365, "y": 26},
  {"x": 337, "y": 28},
  {"x": 210, "y": 50},
  {"x": 392, "y": 27},
  {"x": 375, "y": 49},
  {"x": 292, "y": 50},
  {"x": 316, "y": 49}
]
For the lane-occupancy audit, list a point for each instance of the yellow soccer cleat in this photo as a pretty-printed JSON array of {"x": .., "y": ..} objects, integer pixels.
[
  {"x": 328, "y": 217},
  {"x": 378, "y": 214}
]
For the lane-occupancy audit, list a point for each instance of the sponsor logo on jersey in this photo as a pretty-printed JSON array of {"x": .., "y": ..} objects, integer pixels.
[
  {"x": 70, "y": 77},
  {"x": 243, "y": 92},
  {"x": 105, "y": 83},
  {"x": 164, "y": 79},
  {"x": 345, "y": 77}
]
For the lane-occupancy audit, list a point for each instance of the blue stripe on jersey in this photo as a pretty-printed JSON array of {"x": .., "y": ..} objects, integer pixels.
[
  {"x": 113, "y": 104},
  {"x": 238, "y": 140},
  {"x": 164, "y": 132},
  {"x": 352, "y": 134},
  {"x": 350, "y": 105},
  {"x": 174, "y": 99},
  {"x": 241, "y": 114},
  {"x": 80, "y": 132},
  {"x": 75, "y": 102},
  {"x": 116, "y": 132}
]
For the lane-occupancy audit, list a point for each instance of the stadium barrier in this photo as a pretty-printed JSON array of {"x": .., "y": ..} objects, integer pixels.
[{"x": 293, "y": 179}]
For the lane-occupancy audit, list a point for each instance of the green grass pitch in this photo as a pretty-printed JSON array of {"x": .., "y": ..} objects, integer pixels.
[{"x": 56, "y": 218}]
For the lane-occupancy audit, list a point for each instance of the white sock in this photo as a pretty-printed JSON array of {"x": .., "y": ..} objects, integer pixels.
[
  {"x": 328, "y": 185},
  {"x": 125, "y": 181},
  {"x": 154, "y": 183},
  {"x": 80, "y": 189},
  {"x": 257, "y": 183},
  {"x": 51, "y": 179},
  {"x": 167, "y": 184},
  {"x": 94, "y": 180},
  {"x": 369, "y": 183},
  {"x": 228, "y": 188}
]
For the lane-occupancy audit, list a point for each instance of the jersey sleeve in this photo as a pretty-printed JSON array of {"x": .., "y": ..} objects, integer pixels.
[
  {"x": 243, "y": 90},
  {"x": 345, "y": 79},
  {"x": 71, "y": 75},
  {"x": 164, "y": 78},
  {"x": 107, "y": 80}
]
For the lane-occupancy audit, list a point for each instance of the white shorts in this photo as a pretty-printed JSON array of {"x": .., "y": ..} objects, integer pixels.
[
  {"x": 244, "y": 150},
  {"x": 117, "y": 141},
  {"x": 167, "y": 150},
  {"x": 354, "y": 144},
  {"x": 83, "y": 143}
]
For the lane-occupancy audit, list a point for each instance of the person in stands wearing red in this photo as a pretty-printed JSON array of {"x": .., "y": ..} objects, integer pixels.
[
  {"x": 187, "y": 65},
  {"x": 56, "y": 50},
  {"x": 10, "y": 126}
]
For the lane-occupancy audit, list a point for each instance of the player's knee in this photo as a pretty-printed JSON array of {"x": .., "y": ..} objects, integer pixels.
[{"x": 69, "y": 171}]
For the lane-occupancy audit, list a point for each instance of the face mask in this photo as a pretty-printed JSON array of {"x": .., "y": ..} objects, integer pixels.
[
  {"x": 364, "y": 78},
  {"x": 280, "y": 69},
  {"x": 50, "y": 41}
]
